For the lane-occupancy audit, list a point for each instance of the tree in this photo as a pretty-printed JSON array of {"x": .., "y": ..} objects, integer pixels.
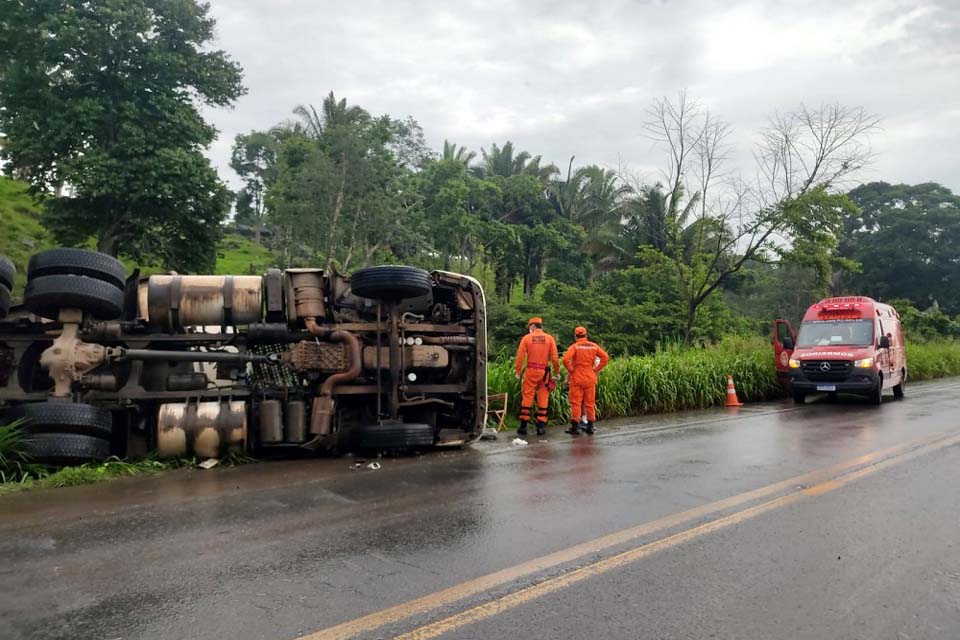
[
  {"x": 715, "y": 227},
  {"x": 254, "y": 159},
  {"x": 105, "y": 99},
  {"x": 409, "y": 144},
  {"x": 593, "y": 198},
  {"x": 342, "y": 192},
  {"x": 501, "y": 161},
  {"x": 907, "y": 241},
  {"x": 458, "y": 154}
]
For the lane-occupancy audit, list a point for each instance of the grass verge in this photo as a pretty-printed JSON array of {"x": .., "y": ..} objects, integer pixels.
[
  {"x": 676, "y": 378},
  {"x": 934, "y": 359},
  {"x": 25, "y": 475}
]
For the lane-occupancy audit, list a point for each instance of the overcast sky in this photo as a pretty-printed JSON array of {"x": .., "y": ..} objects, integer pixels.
[{"x": 574, "y": 78}]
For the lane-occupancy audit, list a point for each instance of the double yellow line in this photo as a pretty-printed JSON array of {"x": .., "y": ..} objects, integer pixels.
[{"x": 793, "y": 490}]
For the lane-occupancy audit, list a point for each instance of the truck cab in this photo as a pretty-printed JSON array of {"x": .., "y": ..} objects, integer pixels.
[{"x": 850, "y": 344}]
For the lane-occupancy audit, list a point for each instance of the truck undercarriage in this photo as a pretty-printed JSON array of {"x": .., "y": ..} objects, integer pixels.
[{"x": 289, "y": 363}]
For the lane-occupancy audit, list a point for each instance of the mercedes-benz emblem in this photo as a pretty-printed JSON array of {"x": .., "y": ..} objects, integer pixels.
[{"x": 824, "y": 366}]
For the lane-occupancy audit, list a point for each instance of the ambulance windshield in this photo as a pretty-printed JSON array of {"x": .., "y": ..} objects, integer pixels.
[{"x": 826, "y": 333}]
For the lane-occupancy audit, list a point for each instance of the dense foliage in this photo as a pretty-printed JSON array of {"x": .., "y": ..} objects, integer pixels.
[
  {"x": 101, "y": 105},
  {"x": 691, "y": 258},
  {"x": 101, "y": 115}
]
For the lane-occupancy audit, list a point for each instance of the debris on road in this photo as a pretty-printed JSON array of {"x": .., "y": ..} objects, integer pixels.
[
  {"x": 519, "y": 442},
  {"x": 209, "y": 463}
]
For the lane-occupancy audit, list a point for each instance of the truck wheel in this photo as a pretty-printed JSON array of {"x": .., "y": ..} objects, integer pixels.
[
  {"x": 876, "y": 396},
  {"x": 78, "y": 262},
  {"x": 63, "y": 418},
  {"x": 390, "y": 436},
  {"x": 799, "y": 397},
  {"x": 898, "y": 389},
  {"x": 65, "y": 448},
  {"x": 7, "y": 272},
  {"x": 47, "y": 295},
  {"x": 391, "y": 283}
]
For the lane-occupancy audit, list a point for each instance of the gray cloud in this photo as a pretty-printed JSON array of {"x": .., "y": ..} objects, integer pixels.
[{"x": 575, "y": 78}]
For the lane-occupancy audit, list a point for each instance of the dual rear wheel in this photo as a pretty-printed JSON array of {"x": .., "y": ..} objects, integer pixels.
[
  {"x": 75, "y": 279},
  {"x": 63, "y": 432}
]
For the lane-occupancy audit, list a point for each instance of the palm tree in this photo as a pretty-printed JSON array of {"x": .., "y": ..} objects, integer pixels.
[
  {"x": 501, "y": 161},
  {"x": 458, "y": 154},
  {"x": 312, "y": 124},
  {"x": 593, "y": 198}
]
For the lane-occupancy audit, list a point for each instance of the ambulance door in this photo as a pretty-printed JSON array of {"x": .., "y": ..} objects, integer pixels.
[{"x": 784, "y": 342}]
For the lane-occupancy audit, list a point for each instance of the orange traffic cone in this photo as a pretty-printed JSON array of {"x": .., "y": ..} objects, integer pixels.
[{"x": 732, "y": 400}]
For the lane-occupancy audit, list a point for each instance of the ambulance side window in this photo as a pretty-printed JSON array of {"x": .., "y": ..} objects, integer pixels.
[{"x": 783, "y": 332}]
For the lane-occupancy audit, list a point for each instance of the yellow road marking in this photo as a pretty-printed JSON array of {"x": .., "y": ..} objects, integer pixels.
[
  {"x": 487, "y": 582},
  {"x": 517, "y": 598}
]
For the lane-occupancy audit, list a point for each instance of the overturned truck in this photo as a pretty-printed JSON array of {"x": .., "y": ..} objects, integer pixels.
[{"x": 97, "y": 363}]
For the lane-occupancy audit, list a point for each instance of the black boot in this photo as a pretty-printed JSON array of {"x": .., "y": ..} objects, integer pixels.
[
  {"x": 522, "y": 429},
  {"x": 574, "y": 429},
  {"x": 588, "y": 429},
  {"x": 541, "y": 429}
]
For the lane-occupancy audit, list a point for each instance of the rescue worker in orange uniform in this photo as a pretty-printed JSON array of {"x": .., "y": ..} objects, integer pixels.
[
  {"x": 583, "y": 360},
  {"x": 539, "y": 350}
]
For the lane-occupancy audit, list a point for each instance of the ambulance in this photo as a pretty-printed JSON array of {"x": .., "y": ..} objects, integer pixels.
[{"x": 850, "y": 344}]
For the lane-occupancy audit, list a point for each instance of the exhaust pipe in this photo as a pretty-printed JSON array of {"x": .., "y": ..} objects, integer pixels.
[{"x": 321, "y": 415}]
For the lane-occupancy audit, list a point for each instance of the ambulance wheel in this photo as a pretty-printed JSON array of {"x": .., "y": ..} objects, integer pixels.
[
  {"x": 391, "y": 283},
  {"x": 876, "y": 396},
  {"x": 799, "y": 397},
  {"x": 898, "y": 389}
]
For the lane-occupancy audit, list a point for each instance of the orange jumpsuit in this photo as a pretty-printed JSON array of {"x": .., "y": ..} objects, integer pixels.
[
  {"x": 539, "y": 349},
  {"x": 579, "y": 361}
]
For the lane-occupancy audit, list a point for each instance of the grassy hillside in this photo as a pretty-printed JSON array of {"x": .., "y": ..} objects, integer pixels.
[
  {"x": 240, "y": 256},
  {"x": 22, "y": 234}
]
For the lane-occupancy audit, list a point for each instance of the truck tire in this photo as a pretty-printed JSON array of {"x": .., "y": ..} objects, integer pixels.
[
  {"x": 876, "y": 396},
  {"x": 47, "y": 295},
  {"x": 799, "y": 397},
  {"x": 391, "y": 436},
  {"x": 63, "y": 418},
  {"x": 4, "y": 301},
  {"x": 7, "y": 273},
  {"x": 65, "y": 448},
  {"x": 391, "y": 283},
  {"x": 78, "y": 262}
]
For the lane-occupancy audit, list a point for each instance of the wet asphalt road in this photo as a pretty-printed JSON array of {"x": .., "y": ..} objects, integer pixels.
[{"x": 863, "y": 547}]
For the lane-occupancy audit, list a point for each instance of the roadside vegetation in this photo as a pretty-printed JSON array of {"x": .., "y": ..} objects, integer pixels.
[
  {"x": 17, "y": 472},
  {"x": 676, "y": 378}
]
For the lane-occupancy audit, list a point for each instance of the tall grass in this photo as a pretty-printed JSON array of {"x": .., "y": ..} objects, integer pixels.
[
  {"x": 678, "y": 378},
  {"x": 935, "y": 359},
  {"x": 671, "y": 379}
]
